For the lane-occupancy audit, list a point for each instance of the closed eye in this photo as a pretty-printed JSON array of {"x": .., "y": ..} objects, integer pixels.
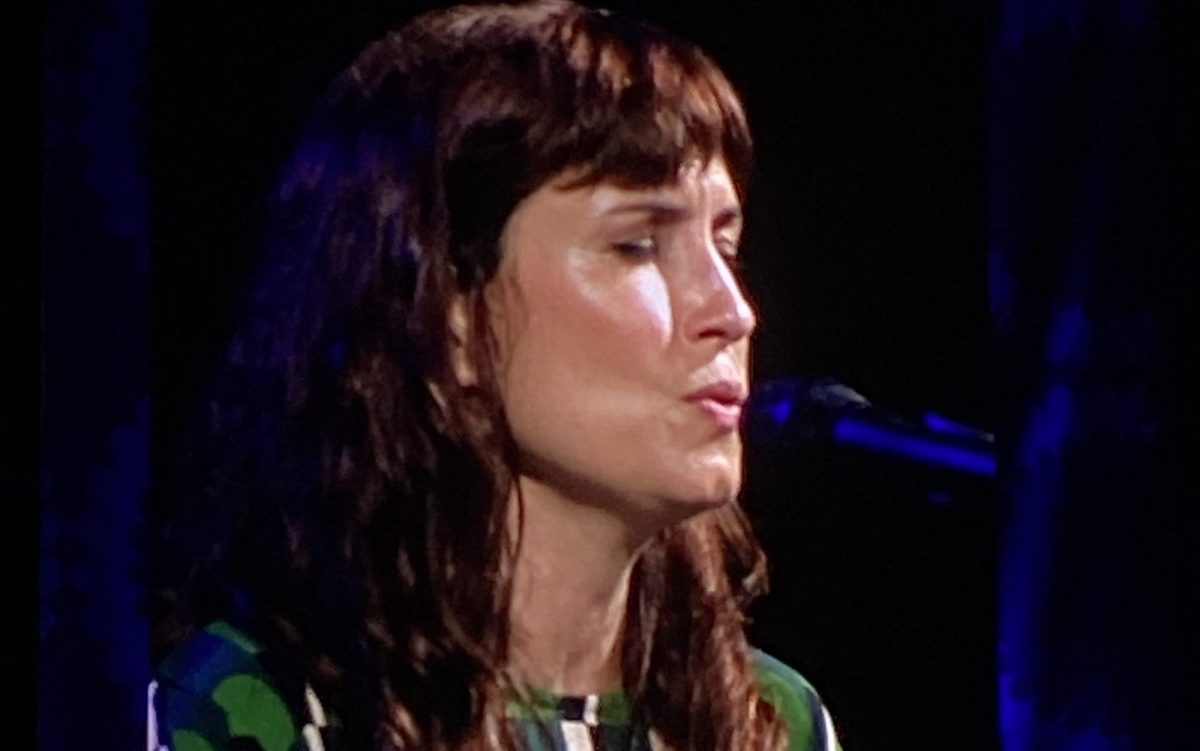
[
  {"x": 727, "y": 231},
  {"x": 639, "y": 249},
  {"x": 727, "y": 248}
]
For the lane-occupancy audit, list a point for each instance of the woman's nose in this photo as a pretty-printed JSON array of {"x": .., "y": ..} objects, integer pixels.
[{"x": 721, "y": 310}]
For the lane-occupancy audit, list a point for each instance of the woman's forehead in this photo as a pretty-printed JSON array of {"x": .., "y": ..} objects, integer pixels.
[{"x": 696, "y": 184}]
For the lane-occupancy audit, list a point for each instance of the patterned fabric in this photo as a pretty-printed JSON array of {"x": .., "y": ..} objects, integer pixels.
[{"x": 213, "y": 694}]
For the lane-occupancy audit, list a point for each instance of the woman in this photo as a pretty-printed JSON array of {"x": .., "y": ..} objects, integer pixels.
[{"x": 468, "y": 480}]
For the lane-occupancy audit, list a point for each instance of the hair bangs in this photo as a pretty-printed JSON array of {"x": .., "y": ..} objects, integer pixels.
[
  {"x": 558, "y": 92},
  {"x": 644, "y": 104}
]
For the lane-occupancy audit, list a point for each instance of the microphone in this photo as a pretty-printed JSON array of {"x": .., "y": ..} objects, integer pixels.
[{"x": 788, "y": 413}]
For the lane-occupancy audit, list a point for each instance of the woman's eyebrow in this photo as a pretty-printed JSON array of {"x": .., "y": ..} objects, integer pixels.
[
  {"x": 661, "y": 211},
  {"x": 665, "y": 212}
]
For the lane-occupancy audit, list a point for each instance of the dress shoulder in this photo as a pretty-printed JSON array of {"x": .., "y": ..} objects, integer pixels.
[
  {"x": 810, "y": 727},
  {"x": 213, "y": 694}
]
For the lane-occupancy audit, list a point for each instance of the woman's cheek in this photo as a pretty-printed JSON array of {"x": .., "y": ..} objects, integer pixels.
[
  {"x": 648, "y": 306},
  {"x": 630, "y": 307}
]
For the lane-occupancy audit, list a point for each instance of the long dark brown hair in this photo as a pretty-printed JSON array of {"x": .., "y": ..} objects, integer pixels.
[{"x": 347, "y": 485}]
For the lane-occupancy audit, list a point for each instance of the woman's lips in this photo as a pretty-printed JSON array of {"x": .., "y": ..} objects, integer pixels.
[
  {"x": 722, "y": 402},
  {"x": 724, "y": 414}
]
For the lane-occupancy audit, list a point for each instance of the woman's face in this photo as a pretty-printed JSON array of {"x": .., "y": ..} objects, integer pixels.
[{"x": 623, "y": 343}]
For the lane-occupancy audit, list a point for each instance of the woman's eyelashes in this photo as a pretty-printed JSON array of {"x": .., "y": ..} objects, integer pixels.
[
  {"x": 642, "y": 248},
  {"x": 727, "y": 247},
  {"x": 649, "y": 248}
]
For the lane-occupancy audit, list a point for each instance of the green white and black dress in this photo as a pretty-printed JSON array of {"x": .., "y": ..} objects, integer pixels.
[{"x": 214, "y": 694}]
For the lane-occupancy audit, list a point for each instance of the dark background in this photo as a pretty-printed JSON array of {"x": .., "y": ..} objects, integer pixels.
[{"x": 865, "y": 253}]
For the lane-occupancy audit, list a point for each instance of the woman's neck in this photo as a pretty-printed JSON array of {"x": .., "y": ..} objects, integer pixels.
[{"x": 570, "y": 586}]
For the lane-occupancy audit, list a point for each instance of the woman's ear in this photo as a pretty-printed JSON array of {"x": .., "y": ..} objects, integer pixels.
[{"x": 459, "y": 322}]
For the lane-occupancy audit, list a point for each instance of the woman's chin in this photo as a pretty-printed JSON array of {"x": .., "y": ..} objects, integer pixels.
[{"x": 696, "y": 498}]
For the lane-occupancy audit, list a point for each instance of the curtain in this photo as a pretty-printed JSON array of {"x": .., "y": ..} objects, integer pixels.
[
  {"x": 92, "y": 634},
  {"x": 1088, "y": 255}
]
